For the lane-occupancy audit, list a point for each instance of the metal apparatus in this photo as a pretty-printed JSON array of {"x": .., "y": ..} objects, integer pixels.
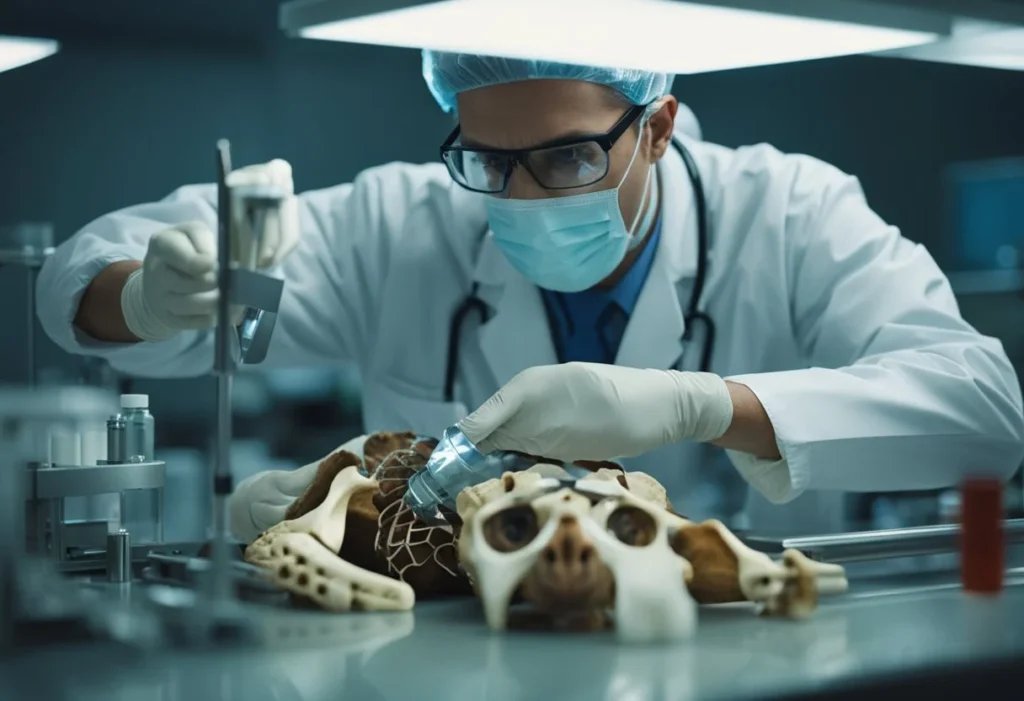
[
  {"x": 27, "y": 245},
  {"x": 879, "y": 545},
  {"x": 454, "y": 465},
  {"x": 243, "y": 213},
  {"x": 90, "y": 484},
  {"x": 23, "y": 413}
]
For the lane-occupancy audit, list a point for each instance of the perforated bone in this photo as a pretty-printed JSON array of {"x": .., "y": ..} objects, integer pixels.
[{"x": 303, "y": 555}]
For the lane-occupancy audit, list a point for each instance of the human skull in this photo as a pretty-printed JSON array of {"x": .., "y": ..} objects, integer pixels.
[{"x": 576, "y": 549}]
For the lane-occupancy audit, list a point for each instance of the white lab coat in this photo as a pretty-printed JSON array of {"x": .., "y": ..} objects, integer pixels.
[{"x": 848, "y": 333}]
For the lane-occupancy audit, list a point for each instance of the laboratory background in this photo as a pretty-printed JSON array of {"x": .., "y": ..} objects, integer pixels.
[
  {"x": 131, "y": 107},
  {"x": 128, "y": 108}
]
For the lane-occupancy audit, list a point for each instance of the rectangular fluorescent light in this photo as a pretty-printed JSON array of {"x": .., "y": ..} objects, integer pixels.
[
  {"x": 17, "y": 51},
  {"x": 659, "y": 35},
  {"x": 972, "y": 43}
]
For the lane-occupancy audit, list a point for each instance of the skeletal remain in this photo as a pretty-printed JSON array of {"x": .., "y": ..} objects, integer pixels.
[
  {"x": 725, "y": 570},
  {"x": 303, "y": 555},
  {"x": 575, "y": 552},
  {"x": 383, "y": 535},
  {"x": 559, "y": 543},
  {"x": 581, "y": 552}
]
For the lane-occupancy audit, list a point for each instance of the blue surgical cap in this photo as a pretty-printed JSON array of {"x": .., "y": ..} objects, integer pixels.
[{"x": 448, "y": 74}]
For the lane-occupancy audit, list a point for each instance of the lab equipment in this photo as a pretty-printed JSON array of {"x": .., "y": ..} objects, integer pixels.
[
  {"x": 78, "y": 494},
  {"x": 24, "y": 413},
  {"x": 116, "y": 442},
  {"x": 694, "y": 318},
  {"x": 982, "y": 540},
  {"x": 27, "y": 245},
  {"x": 119, "y": 556},
  {"x": 139, "y": 428},
  {"x": 448, "y": 74},
  {"x": 130, "y": 440},
  {"x": 245, "y": 214},
  {"x": 454, "y": 465},
  {"x": 882, "y": 544}
]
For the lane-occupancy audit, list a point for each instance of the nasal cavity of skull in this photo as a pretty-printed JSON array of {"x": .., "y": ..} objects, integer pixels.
[
  {"x": 569, "y": 552},
  {"x": 511, "y": 529},
  {"x": 632, "y": 526}
]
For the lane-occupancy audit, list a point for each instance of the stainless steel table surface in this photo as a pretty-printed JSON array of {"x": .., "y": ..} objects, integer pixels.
[{"x": 442, "y": 650}]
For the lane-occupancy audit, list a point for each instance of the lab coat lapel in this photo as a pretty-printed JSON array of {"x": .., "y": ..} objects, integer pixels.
[
  {"x": 653, "y": 337},
  {"x": 517, "y": 335}
]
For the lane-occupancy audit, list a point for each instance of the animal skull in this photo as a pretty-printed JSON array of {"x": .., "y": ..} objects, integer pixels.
[{"x": 575, "y": 549}]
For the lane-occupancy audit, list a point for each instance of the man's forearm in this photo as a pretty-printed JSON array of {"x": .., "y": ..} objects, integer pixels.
[
  {"x": 751, "y": 430},
  {"x": 99, "y": 311}
]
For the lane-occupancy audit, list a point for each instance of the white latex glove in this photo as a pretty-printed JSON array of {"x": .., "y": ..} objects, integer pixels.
[
  {"x": 176, "y": 287},
  {"x": 281, "y": 233},
  {"x": 260, "y": 501},
  {"x": 589, "y": 411}
]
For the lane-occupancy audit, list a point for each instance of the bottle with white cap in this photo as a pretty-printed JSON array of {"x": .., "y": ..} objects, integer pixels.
[
  {"x": 140, "y": 509},
  {"x": 139, "y": 428}
]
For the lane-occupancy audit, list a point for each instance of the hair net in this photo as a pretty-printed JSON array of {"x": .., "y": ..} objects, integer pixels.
[{"x": 448, "y": 74}]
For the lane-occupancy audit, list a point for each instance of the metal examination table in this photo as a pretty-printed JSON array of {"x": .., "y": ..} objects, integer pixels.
[{"x": 442, "y": 650}]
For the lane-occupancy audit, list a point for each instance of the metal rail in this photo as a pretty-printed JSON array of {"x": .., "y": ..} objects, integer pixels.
[{"x": 865, "y": 546}]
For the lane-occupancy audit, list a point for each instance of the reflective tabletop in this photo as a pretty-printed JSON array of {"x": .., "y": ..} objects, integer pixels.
[{"x": 442, "y": 650}]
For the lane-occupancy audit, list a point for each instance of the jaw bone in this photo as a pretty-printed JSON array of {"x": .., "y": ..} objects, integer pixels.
[{"x": 303, "y": 555}]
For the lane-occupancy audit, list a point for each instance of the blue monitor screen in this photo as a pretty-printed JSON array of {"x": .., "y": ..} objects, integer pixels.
[{"x": 988, "y": 214}]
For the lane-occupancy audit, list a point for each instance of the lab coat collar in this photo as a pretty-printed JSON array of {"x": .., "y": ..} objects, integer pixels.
[{"x": 517, "y": 335}]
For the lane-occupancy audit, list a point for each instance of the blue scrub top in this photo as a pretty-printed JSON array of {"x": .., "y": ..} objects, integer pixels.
[{"x": 588, "y": 326}]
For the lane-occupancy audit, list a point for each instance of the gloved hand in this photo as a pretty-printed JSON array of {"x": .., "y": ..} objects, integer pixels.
[
  {"x": 261, "y": 500},
  {"x": 176, "y": 287},
  {"x": 589, "y": 411},
  {"x": 281, "y": 234}
]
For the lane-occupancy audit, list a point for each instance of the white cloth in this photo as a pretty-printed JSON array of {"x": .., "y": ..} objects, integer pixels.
[
  {"x": 590, "y": 411},
  {"x": 848, "y": 334}
]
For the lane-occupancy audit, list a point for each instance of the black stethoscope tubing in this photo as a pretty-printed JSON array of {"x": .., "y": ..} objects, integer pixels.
[{"x": 692, "y": 315}]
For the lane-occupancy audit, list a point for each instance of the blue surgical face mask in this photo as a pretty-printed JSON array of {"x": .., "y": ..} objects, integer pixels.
[{"x": 569, "y": 244}]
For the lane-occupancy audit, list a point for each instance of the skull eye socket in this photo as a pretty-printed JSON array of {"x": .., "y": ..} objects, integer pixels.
[
  {"x": 511, "y": 529},
  {"x": 632, "y": 526}
]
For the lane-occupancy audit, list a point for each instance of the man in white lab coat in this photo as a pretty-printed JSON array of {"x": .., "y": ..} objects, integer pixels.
[{"x": 818, "y": 347}]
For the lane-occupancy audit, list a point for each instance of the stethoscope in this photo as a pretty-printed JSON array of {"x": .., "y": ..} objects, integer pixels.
[{"x": 691, "y": 318}]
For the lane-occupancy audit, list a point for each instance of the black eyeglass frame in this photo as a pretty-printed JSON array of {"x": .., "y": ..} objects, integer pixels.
[{"x": 520, "y": 156}]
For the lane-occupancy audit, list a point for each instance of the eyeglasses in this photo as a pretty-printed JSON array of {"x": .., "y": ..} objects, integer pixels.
[{"x": 563, "y": 164}]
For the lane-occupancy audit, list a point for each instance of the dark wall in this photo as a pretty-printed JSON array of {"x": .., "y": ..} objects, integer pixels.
[{"x": 132, "y": 106}]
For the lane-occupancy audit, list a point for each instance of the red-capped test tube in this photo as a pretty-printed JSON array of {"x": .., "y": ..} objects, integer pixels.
[{"x": 982, "y": 554}]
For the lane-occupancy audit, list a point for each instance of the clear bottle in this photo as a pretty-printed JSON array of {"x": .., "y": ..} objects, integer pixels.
[
  {"x": 141, "y": 510},
  {"x": 139, "y": 428}
]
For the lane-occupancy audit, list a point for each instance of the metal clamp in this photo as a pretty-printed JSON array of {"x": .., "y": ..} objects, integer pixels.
[{"x": 59, "y": 482}]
